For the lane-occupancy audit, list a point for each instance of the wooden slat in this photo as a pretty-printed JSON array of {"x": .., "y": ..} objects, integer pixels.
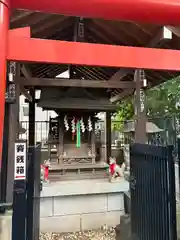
[{"x": 120, "y": 96}]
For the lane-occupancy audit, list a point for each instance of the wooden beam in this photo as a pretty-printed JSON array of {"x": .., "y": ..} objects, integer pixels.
[
  {"x": 20, "y": 32},
  {"x": 78, "y": 103},
  {"x": 121, "y": 96},
  {"x": 26, "y": 72},
  {"x": 175, "y": 30},
  {"x": 121, "y": 74},
  {"x": 24, "y": 92},
  {"x": 165, "y": 33},
  {"x": 90, "y": 54},
  {"x": 149, "y": 11},
  {"x": 61, "y": 82}
]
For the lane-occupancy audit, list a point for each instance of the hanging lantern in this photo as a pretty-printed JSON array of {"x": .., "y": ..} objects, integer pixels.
[
  {"x": 82, "y": 125},
  {"x": 66, "y": 123},
  {"x": 90, "y": 125}
]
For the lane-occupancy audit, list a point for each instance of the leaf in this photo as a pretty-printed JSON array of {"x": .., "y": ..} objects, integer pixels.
[{"x": 162, "y": 100}]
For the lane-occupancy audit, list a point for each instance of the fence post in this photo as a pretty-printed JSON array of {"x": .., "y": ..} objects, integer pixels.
[
  {"x": 179, "y": 163},
  {"x": 172, "y": 191},
  {"x": 19, "y": 194},
  {"x": 33, "y": 193},
  {"x": 30, "y": 192}
]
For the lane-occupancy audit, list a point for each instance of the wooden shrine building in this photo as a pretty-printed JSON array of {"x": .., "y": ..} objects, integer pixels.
[{"x": 109, "y": 52}]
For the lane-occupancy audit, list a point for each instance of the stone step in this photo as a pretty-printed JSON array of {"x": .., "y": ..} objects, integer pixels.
[
  {"x": 74, "y": 176},
  {"x": 86, "y": 166},
  {"x": 75, "y": 173}
]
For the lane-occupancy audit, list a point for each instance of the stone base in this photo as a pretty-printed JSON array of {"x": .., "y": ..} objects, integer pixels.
[
  {"x": 114, "y": 180},
  {"x": 81, "y": 222},
  {"x": 6, "y": 226},
  {"x": 178, "y": 220},
  {"x": 123, "y": 230},
  {"x": 125, "y": 224},
  {"x": 81, "y": 205}
]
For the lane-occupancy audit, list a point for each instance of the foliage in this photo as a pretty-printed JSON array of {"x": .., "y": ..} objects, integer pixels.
[
  {"x": 164, "y": 100},
  {"x": 125, "y": 112},
  {"x": 161, "y": 101}
]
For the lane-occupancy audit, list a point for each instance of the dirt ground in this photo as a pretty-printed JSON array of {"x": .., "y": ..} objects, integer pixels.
[{"x": 101, "y": 234}]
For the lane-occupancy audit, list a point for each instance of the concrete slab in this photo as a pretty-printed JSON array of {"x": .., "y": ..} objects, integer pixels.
[
  {"x": 94, "y": 221},
  {"x": 46, "y": 207},
  {"x": 60, "y": 224},
  {"x": 84, "y": 187},
  {"x": 80, "y": 204},
  {"x": 115, "y": 202}
]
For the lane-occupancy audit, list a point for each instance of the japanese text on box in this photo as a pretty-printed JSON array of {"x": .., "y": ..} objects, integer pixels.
[{"x": 20, "y": 161}]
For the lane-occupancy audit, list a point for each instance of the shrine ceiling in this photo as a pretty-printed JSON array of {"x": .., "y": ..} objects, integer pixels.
[{"x": 57, "y": 27}]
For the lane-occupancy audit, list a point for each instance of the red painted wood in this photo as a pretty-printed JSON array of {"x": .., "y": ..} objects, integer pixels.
[
  {"x": 154, "y": 11},
  {"x": 61, "y": 52},
  {"x": 20, "y": 32},
  {"x": 4, "y": 25}
]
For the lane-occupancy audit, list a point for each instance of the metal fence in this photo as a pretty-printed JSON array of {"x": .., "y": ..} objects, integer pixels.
[
  {"x": 41, "y": 131},
  {"x": 152, "y": 187},
  {"x": 169, "y": 130}
]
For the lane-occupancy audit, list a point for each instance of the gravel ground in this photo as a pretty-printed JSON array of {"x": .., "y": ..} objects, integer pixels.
[{"x": 101, "y": 234}]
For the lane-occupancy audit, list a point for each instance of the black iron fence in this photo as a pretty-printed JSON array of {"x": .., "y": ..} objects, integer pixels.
[
  {"x": 160, "y": 131},
  {"x": 152, "y": 189}
]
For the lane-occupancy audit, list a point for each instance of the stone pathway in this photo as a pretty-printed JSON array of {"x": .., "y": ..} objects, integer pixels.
[{"x": 101, "y": 234}]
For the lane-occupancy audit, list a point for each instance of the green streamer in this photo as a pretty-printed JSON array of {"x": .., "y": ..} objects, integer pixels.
[{"x": 78, "y": 134}]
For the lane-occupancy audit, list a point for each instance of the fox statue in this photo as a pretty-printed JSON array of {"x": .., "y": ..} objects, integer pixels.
[
  {"x": 114, "y": 170},
  {"x": 45, "y": 170}
]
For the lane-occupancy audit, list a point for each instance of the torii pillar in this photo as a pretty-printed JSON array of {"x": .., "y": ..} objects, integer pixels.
[
  {"x": 4, "y": 26},
  {"x": 140, "y": 109}
]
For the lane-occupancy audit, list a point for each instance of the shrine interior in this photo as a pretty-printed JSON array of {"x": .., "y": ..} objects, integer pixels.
[{"x": 89, "y": 90}]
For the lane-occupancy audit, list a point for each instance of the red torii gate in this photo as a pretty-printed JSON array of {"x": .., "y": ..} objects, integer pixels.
[{"x": 19, "y": 46}]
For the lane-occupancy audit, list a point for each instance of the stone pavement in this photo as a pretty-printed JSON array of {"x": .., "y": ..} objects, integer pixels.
[{"x": 103, "y": 233}]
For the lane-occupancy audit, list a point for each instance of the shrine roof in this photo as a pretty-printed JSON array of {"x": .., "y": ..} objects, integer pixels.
[{"x": 58, "y": 27}]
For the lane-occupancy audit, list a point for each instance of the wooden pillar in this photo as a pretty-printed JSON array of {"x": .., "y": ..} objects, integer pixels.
[
  {"x": 108, "y": 136},
  {"x": 31, "y": 169},
  {"x": 11, "y": 127},
  {"x": 32, "y": 119},
  {"x": 12, "y": 136},
  {"x": 140, "y": 109},
  {"x": 93, "y": 147},
  {"x": 61, "y": 143}
]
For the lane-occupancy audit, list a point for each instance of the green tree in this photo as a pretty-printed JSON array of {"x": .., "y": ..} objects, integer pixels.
[
  {"x": 125, "y": 111},
  {"x": 162, "y": 100}
]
